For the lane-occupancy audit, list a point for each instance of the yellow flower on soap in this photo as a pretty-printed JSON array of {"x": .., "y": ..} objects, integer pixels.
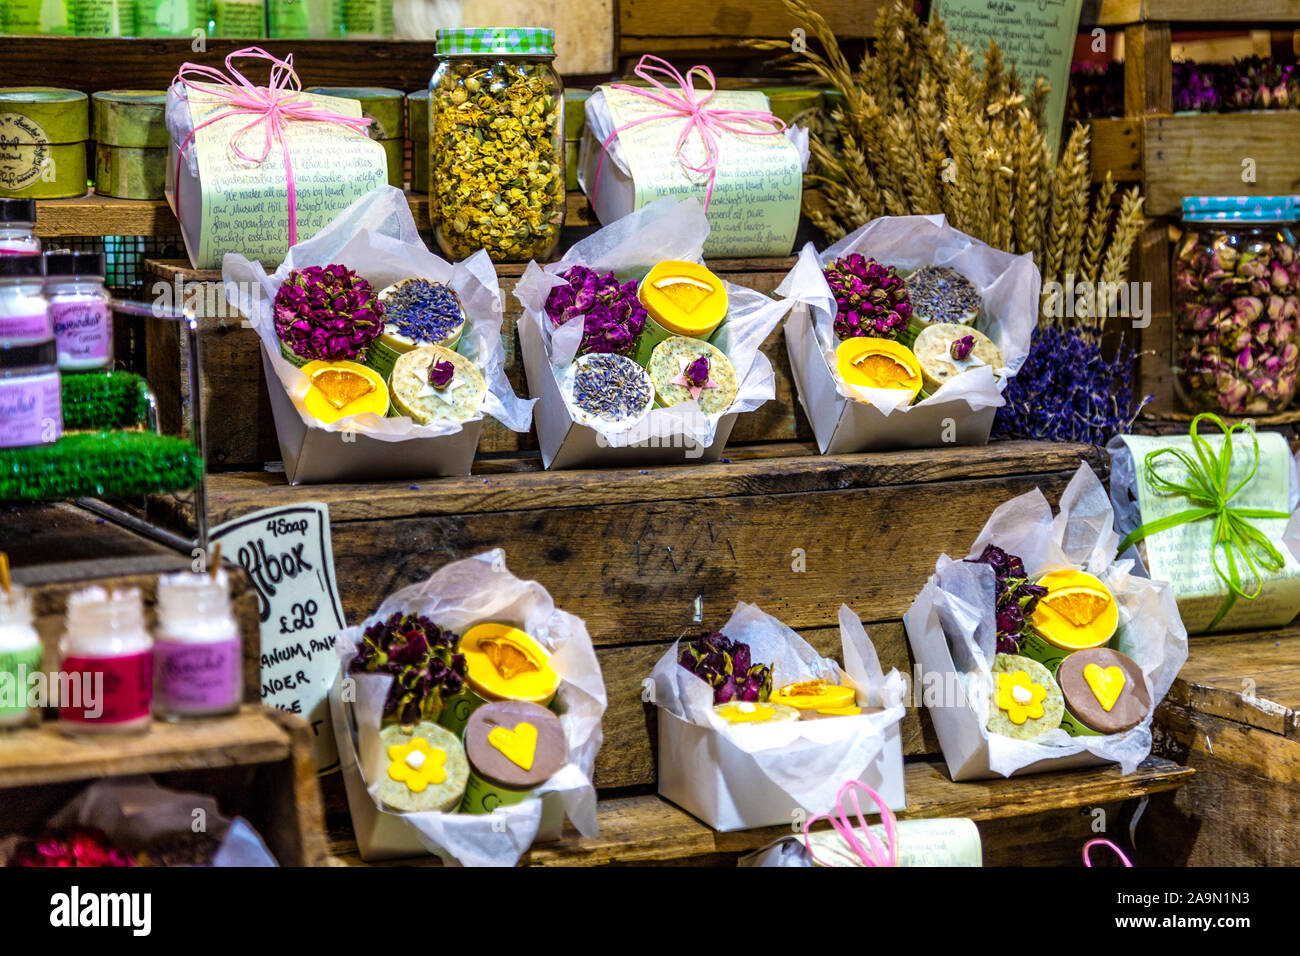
[
  {"x": 1020, "y": 697},
  {"x": 417, "y": 764}
]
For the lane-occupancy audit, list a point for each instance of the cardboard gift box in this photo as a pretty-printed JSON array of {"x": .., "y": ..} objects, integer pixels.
[
  {"x": 377, "y": 238},
  {"x": 640, "y": 143},
  {"x": 458, "y": 596},
  {"x": 961, "y": 412},
  {"x": 1253, "y": 476},
  {"x": 741, "y": 777},
  {"x": 951, "y": 629},
  {"x": 244, "y": 179}
]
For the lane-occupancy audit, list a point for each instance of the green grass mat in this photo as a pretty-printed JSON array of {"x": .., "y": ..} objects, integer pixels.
[
  {"x": 96, "y": 400},
  {"x": 99, "y": 465}
]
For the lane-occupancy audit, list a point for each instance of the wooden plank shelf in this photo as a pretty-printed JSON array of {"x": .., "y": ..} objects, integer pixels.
[
  {"x": 1120, "y": 13},
  {"x": 647, "y": 829}
]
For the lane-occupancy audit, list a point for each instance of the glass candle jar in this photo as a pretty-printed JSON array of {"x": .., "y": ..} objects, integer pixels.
[
  {"x": 17, "y": 228},
  {"x": 79, "y": 310},
  {"x": 107, "y": 669},
  {"x": 20, "y": 656},
  {"x": 197, "y": 651},
  {"x": 31, "y": 400},
  {"x": 1236, "y": 327},
  {"x": 496, "y": 144},
  {"x": 24, "y": 312}
]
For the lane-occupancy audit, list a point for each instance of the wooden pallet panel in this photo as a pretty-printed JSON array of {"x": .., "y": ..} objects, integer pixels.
[
  {"x": 1117, "y": 149},
  {"x": 1110, "y": 13}
]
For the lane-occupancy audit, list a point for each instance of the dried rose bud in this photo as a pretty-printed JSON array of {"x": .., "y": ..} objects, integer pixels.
[
  {"x": 440, "y": 374},
  {"x": 697, "y": 373},
  {"x": 961, "y": 348}
]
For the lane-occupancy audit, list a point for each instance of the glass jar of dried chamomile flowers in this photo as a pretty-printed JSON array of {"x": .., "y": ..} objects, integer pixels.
[{"x": 496, "y": 144}]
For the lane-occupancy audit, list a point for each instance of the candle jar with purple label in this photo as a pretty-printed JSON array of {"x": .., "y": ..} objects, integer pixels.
[
  {"x": 79, "y": 310},
  {"x": 197, "y": 649},
  {"x": 106, "y": 677},
  {"x": 31, "y": 402},
  {"x": 24, "y": 312},
  {"x": 18, "y": 228}
]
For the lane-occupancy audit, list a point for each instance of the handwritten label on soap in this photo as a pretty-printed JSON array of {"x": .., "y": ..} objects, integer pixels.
[
  {"x": 754, "y": 210},
  {"x": 288, "y": 554},
  {"x": 246, "y": 205},
  {"x": 1181, "y": 555},
  {"x": 1035, "y": 35}
]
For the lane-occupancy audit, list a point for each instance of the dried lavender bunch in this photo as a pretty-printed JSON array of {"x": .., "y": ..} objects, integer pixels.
[
  {"x": 424, "y": 660},
  {"x": 1068, "y": 390},
  {"x": 1016, "y": 597}
]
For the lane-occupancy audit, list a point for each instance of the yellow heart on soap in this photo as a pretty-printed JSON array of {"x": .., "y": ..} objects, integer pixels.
[
  {"x": 519, "y": 746},
  {"x": 1106, "y": 684}
]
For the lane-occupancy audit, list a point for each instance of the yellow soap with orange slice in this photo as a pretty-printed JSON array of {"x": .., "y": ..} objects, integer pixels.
[
  {"x": 818, "y": 697},
  {"x": 342, "y": 389},
  {"x": 680, "y": 298},
  {"x": 504, "y": 663},
  {"x": 1078, "y": 613},
  {"x": 866, "y": 362}
]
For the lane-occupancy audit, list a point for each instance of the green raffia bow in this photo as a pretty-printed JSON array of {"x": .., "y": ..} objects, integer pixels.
[{"x": 1207, "y": 487}]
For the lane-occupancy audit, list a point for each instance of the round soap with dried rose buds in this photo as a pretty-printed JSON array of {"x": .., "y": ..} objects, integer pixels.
[
  {"x": 670, "y": 358},
  {"x": 933, "y": 349},
  {"x": 414, "y": 396}
]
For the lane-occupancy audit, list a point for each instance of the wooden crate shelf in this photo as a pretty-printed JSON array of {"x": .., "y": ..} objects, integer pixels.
[{"x": 1120, "y": 13}]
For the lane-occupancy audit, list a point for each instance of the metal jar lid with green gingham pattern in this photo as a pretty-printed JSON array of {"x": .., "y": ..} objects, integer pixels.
[{"x": 494, "y": 41}]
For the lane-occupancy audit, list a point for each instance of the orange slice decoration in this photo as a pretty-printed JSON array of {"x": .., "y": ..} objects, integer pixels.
[
  {"x": 508, "y": 658},
  {"x": 684, "y": 292},
  {"x": 883, "y": 371},
  {"x": 1079, "y": 606},
  {"x": 341, "y": 387}
]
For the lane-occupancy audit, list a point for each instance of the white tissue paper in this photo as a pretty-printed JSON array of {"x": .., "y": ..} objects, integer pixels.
[
  {"x": 848, "y": 419},
  {"x": 736, "y": 777},
  {"x": 135, "y": 812},
  {"x": 458, "y": 596},
  {"x": 666, "y": 229},
  {"x": 377, "y": 238},
  {"x": 953, "y": 634}
]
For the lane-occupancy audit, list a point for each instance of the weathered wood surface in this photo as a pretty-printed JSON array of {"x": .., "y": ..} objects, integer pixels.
[
  {"x": 61, "y": 532},
  {"x": 646, "y": 829},
  {"x": 1148, "y": 69},
  {"x": 1117, "y": 149},
  {"x": 1123, "y": 12}
]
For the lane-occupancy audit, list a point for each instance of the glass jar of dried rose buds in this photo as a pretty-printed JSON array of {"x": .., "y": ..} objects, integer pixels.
[
  {"x": 1236, "y": 328},
  {"x": 496, "y": 144}
]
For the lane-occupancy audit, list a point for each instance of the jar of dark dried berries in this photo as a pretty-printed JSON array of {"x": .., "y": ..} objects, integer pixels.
[
  {"x": 496, "y": 143},
  {"x": 1236, "y": 328}
]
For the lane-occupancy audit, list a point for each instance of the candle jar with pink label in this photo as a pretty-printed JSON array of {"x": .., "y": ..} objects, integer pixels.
[
  {"x": 18, "y": 228},
  {"x": 24, "y": 312},
  {"x": 31, "y": 402},
  {"x": 197, "y": 649},
  {"x": 79, "y": 310},
  {"x": 105, "y": 683}
]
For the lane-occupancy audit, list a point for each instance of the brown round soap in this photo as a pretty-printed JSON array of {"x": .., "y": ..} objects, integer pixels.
[
  {"x": 514, "y": 744},
  {"x": 1130, "y": 700}
]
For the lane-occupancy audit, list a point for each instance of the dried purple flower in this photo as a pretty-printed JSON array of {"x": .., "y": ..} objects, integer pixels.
[
  {"x": 613, "y": 315},
  {"x": 870, "y": 298},
  {"x": 1016, "y": 597},
  {"x": 440, "y": 374},
  {"x": 726, "y": 666},
  {"x": 327, "y": 312},
  {"x": 961, "y": 348},
  {"x": 697, "y": 373},
  {"x": 423, "y": 659}
]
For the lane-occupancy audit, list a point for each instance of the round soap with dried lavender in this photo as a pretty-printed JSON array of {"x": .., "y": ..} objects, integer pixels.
[
  {"x": 426, "y": 390},
  {"x": 685, "y": 369},
  {"x": 602, "y": 388},
  {"x": 416, "y": 312},
  {"x": 945, "y": 351},
  {"x": 942, "y": 294}
]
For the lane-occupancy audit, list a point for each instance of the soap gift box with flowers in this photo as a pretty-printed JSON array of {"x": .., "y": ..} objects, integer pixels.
[
  {"x": 636, "y": 352},
  {"x": 467, "y": 712},
  {"x": 381, "y": 358},
  {"x": 755, "y": 726},
  {"x": 904, "y": 333},
  {"x": 1040, "y": 650}
]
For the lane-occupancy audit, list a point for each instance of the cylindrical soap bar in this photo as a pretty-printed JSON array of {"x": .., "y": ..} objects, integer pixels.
[
  {"x": 134, "y": 118},
  {"x": 513, "y": 748},
  {"x": 43, "y": 133}
]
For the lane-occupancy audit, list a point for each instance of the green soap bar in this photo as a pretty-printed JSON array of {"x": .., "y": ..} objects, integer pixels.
[
  {"x": 42, "y": 171},
  {"x": 134, "y": 118},
  {"x": 128, "y": 173},
  {"x": 43, "y": 114},
  {"x": 575, "y": 113},
  {"x": 382, "y": 106},
  {"x": 395, "y": 150}
]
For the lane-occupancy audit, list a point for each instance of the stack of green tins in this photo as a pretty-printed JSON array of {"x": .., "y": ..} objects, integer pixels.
[
  {"x": 130, "y": 143},
  {"x": 384, "y": 109},
  {"x": 575, "y": 121},
  {"x": 34, "y": 18},
  {"x": 103, "y": 18},
  {"x": 170, "y": 18},
  {"x": 417, "y": 123},
  {"x": 43, "y": 135},
  {"x": 306, "y": 19}
]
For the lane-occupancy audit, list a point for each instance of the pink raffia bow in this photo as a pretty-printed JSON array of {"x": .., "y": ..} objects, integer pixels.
[
  {"x": 270, "y": 107},
  {"x": 693, "y": 106},
  {"x": 874, "y": 852},
  {"x": 1087, "y": 852}
]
